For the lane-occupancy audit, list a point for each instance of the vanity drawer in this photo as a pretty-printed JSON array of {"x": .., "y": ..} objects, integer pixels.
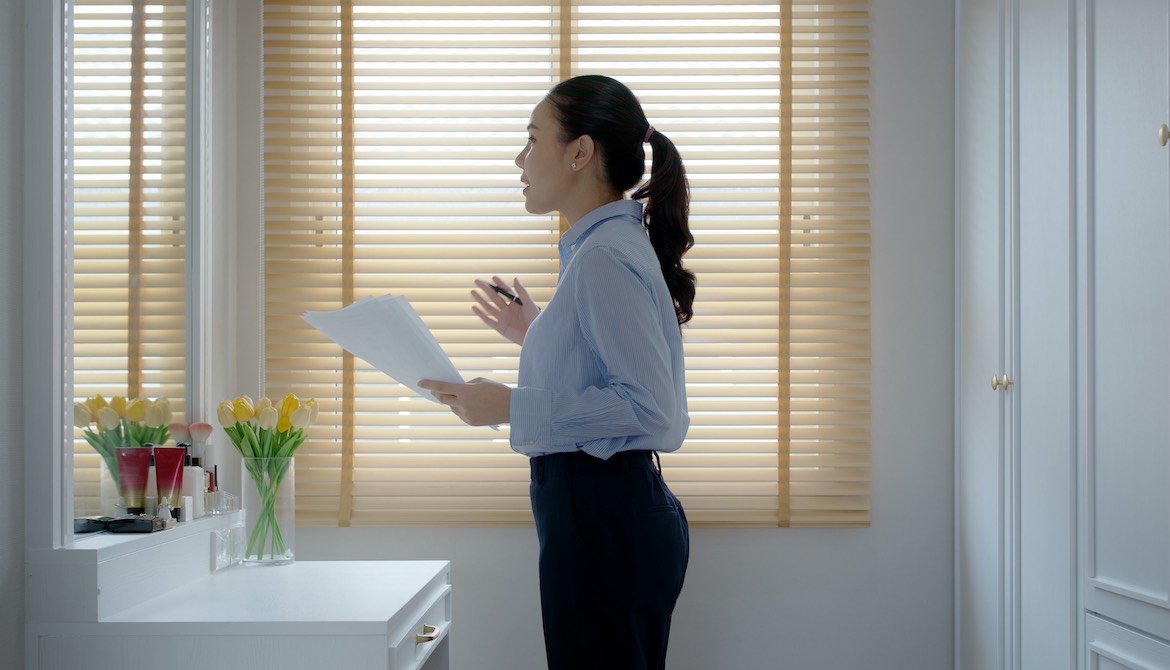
[{"x": 425, "y": 636}]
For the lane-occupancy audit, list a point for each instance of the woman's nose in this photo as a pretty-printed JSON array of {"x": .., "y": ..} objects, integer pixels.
[{"x": 520, "y": 158}]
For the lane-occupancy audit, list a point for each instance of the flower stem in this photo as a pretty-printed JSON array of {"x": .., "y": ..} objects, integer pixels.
[{"x": 267, "y": 474}]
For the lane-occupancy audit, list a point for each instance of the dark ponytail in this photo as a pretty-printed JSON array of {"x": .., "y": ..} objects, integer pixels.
[
  {"x": 607, "y": 111},
  {"x": 666, "y": 216}
]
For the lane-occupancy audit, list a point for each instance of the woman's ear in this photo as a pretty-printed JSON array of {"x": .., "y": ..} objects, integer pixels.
[{"x": 583, "y": 150}]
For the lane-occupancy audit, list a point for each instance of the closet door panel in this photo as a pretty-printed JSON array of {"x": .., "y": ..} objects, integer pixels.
[
  {"x": 979, "y": 463},
  {"x": 1126, "y": 338},
  {"x": 1112, "y": 647},
  {"x": 1046, "y": 445}
]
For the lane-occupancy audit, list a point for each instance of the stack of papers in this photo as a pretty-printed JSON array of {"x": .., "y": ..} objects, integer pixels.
[{"x": 388, "y": 334}]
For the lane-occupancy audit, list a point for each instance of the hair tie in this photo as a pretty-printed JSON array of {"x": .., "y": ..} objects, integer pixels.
[{"x": 649, "y": 132}]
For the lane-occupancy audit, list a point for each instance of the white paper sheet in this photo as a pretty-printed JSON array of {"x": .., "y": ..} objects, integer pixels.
[{"x": 387, "y": 333}]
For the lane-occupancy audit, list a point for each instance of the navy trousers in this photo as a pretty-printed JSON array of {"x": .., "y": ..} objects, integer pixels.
[{"x": 614, "y": 545}]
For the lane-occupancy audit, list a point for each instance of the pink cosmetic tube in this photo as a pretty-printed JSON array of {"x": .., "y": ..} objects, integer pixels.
[
  {"x": 168, "y": 471},
  {"x": 133, "y": 464}
]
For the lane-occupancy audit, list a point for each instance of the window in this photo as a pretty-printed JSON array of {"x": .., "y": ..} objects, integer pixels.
[
  {"x": 129, "y": 191},
  {"x": 390, "y": 129}
]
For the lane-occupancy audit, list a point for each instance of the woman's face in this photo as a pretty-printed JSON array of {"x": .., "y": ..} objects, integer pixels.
[{"x": 545, "y": 163}]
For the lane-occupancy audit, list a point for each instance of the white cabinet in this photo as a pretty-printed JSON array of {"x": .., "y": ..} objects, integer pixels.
[
  {"x": 1124, "y": 321},
  {"x": 1015, "y": 452},
  {"x": 357, "y": 615},
  {"x": 981, "y": 422},
  {"x": 1063, "y": 215}
]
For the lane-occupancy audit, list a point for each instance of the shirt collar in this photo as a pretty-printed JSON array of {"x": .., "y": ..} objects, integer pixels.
[{"x": 586, "y": 224}]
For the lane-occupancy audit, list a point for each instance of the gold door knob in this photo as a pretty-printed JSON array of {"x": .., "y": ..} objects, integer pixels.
[
  {"x": 1164, "y": 134},
  {"x": 1001, "y": 382}
]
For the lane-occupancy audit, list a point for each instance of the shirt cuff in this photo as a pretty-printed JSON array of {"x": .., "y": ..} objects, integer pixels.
[{"x": 530, "y": 414}]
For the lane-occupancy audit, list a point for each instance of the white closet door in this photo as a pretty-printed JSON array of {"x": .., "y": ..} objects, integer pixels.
[
  {"x": 1045, "y": 454},
  {"x": 980, "y": 547},
  {"x": 1125, "y": 329}
]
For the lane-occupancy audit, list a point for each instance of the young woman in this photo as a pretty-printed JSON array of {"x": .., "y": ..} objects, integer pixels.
[{"x": 600, "y": 388}]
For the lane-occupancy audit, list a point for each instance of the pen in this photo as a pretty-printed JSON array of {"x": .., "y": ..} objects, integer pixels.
[{"x": 507, "y": 294}]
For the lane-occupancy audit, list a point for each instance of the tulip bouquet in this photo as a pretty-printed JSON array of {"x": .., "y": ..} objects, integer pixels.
[
  {"x": 266, "y": 436},
  {"x": 122, "y": 423}
]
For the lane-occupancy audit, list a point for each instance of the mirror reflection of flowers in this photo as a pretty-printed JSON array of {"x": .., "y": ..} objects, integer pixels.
[
  {"x": 266, "y": 436},
  {"x": 122, "y": 423}
]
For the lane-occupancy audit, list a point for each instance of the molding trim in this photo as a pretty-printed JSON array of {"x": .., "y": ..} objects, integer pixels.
[{"x": 48, "y": 507}]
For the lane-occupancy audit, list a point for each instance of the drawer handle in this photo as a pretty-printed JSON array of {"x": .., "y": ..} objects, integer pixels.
[{"x": 430, "y": 634}]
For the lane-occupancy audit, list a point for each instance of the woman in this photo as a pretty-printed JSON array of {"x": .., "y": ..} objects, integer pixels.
[{"x": 600, "y": 387}]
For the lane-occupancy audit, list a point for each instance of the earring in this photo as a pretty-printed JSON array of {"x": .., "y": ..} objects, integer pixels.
[{"x": 573, "y": 166}]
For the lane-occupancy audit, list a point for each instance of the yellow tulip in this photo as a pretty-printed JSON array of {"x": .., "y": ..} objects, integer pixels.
[
  {"x": 301, "y": 417},
  {"x": 118, "y": 403},
  {"x": 95, "y": 403},
  {"x": 262, "y": 403},
  {"x": 267, "y": 418},
  {"x": 225, "y": 414},
  {"x": 81, "y": 415},
  {"x": 156, "y": 415},
  {"x": 165, "y": 411},
  {"x": 136, "y": 410},
  {"x": 107, "y": 418},
  {"x": 243, "y": 409},
  {"x": 289, "y": 405}
]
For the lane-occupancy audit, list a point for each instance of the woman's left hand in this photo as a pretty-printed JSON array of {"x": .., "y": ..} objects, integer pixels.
[{"x": 480, "y": 402}]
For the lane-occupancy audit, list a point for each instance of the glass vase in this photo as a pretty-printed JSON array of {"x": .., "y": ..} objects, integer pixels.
[
  {"x": 108, "y": 492},
  {"x": 269, "y": 497}
]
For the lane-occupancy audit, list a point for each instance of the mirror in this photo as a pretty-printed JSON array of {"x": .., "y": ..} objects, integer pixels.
[{"x": 127, "y": 136}]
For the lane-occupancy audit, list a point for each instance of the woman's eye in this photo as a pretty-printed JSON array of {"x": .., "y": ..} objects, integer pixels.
[{"x": 531, "y": 139}]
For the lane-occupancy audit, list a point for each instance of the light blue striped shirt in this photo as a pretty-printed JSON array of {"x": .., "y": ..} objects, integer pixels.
[{"x": 601, "y": 369}]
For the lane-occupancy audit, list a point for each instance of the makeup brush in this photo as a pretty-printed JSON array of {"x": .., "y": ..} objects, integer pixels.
[{"x": 200, "y": 432}]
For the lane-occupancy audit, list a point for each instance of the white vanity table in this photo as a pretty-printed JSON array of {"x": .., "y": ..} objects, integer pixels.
[{"x": 352, "y": 615}]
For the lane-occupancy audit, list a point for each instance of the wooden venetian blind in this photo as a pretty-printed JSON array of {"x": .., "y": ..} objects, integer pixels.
[
  {"x": 390, "y": 133},
  {"x": 128, "y": 163}
]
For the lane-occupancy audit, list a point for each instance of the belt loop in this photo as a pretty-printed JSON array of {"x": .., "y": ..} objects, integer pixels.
[{"x": 658, "y": 461}]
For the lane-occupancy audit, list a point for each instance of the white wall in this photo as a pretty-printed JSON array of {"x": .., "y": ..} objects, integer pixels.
[
  {"x": 11, "y": 283},
  {"x": 811, "y": 599}
]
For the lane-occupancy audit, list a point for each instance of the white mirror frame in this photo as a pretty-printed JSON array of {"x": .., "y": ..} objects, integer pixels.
[
  {"x": 48, "y": 485},
  {"x": 47, "y": 233}
]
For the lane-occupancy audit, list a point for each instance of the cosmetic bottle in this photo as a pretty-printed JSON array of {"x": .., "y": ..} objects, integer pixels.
[
  {"x": 192, "y": 482},
  {"x": 133, "y": 464},
  {"x": 208, "y": 492},
  {"x": 212, "y": 502},
  {"x": 168, "y": 462}
]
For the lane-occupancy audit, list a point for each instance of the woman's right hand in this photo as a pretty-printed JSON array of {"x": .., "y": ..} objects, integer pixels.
[{"x": 504, "y": 316}]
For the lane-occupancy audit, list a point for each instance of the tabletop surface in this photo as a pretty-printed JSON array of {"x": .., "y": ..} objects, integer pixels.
[{"x": 358, "y": 596}]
